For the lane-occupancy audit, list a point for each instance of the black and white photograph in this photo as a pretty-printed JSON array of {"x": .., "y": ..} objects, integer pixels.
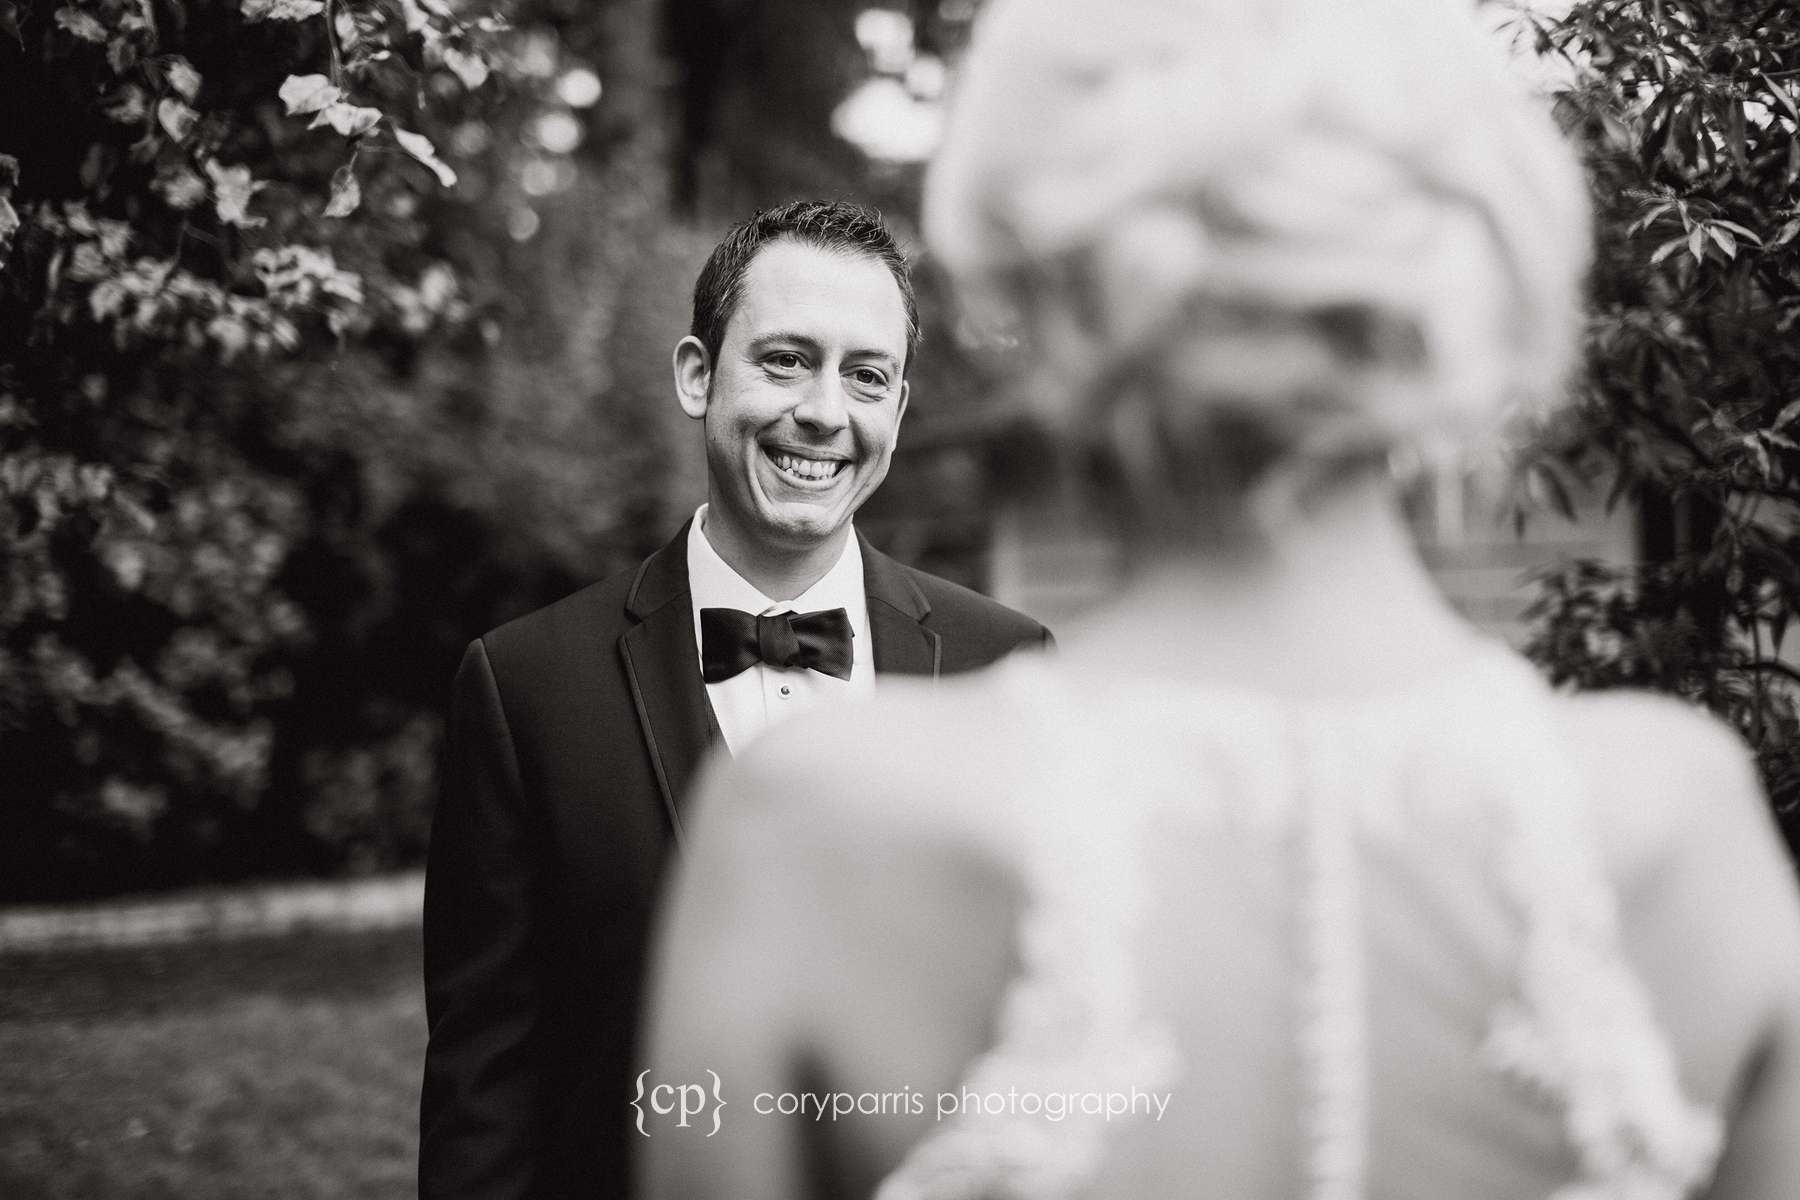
[{"x": 899, "y": 600}]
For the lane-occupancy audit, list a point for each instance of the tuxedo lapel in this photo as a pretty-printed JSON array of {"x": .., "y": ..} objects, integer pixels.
[
  {"x": 897, "y": 610},
  {"x": 663, "y": 670}
]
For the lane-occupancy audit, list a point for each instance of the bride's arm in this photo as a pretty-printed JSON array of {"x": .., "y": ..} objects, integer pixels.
[
  {"x": 1737, "y": 873},
  {"x": 828, "y": 931},
  {"x": 719, "y": 1013},
  {"x": 1711, "y": 913}
]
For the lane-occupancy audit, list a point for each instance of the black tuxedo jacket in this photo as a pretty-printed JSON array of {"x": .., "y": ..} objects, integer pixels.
[{"x": 574, "y": 732}]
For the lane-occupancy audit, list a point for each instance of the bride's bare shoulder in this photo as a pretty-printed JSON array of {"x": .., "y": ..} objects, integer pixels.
[
  {"x": 1657, "y": 769},
  {"x": 1655, "y": 762}
]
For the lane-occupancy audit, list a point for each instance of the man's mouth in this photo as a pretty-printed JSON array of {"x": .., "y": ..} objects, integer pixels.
[{"x": 806, "y": 470}]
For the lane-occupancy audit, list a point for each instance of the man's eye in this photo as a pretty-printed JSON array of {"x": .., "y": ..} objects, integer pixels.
[
  {"x": 786, "y": 361},
  {"x": 870, "y": 379}
]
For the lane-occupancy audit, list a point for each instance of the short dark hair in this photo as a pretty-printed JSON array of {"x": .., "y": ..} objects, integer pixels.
[{"x": 829, "y": 224}]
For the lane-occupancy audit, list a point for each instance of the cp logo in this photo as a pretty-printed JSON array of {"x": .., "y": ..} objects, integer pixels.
[{"x": 686, "y": 1100}]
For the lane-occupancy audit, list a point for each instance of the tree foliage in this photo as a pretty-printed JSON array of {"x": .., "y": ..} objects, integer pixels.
[
  {"x": 249, "y": 500},
  {"x": 1688, "y": 112}
]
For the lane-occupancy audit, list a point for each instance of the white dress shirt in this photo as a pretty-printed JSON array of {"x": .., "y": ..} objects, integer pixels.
[{"x": 755, "y": 699}]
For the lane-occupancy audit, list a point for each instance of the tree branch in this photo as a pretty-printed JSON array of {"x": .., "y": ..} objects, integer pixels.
[
  {"x": 1670, "y": 430},
  {"x": 331, "y": 43},
  {"x": 1767, "y": 666}
]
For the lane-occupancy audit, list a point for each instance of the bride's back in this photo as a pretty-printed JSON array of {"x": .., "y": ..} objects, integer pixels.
[{"x": 1283, "y": 942}]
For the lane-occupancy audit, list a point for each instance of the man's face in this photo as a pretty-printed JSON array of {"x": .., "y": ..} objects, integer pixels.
[{"x": 803, "y": 405}]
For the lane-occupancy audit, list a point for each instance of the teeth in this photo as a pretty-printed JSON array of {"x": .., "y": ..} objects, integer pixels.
[{"x": 806, "y": 468}]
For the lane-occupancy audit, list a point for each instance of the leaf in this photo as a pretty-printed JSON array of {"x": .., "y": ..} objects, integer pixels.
[
  {"x": 1748, "y": 235},
  {"x": 1762, "y": 455},
  {"x": 83, "y": 25},
  {"x": 232, "y": 190},
  {"x": 1781, "y": 96},
  {"x": 1659, "y": 124},
  {"x": 472, "y": 69},
  {"x": 176, "y": 118},
  {"x": 1546, "y": 486},
  {"x": 88, "y": 264},
  {"x": 1787, "y": 415},
  {"x": 282, "y": 10},
  {"x": 1696, "y": 243},
  {"x": 122, "y": 54},
  {"x": 1649, "y": 216},
  {"x": 420, "y": 147},
  {"x": 126, "y": 106},
  {"x": 350, "y": 120},
  {"x": 1736, "y": 135},
  {"x": 1723, "y": 239},
  {"x": 9, "y": 225},
  {"x": 183, "y": 78},
  {"x": 180, "y": 187},
  {"x": 9, "y": 172},
  {"x": 307, "y": 93},
  {"x": 346, "y": 193},
  {"x": 9, "y": 21},
  {"x": 1666, "y": 249}
]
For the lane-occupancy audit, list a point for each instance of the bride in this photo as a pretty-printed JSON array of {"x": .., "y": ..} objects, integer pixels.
[{"x": 1278, "y": 881}]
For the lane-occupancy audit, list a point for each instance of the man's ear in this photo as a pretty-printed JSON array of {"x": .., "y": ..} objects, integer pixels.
[
  {"x": 905, "y": 394},
  {"x": 693, "y": 376}
]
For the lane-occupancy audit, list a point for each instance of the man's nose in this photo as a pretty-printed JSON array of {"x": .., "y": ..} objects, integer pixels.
[{"x": 824, "y": 407}]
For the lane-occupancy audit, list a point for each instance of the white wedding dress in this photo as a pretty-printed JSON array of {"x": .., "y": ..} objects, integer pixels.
[{"x": 1368, "y": 948}]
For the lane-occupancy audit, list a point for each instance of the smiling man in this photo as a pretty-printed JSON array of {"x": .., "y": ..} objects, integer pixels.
[{"x": 575, "y": 731}]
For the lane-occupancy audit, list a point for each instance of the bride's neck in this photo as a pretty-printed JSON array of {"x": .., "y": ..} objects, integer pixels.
[{"x": 1334, "y": 599}]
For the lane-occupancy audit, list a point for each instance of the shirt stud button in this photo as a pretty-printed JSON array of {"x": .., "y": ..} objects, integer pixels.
[{"x": 786, "y": 690}]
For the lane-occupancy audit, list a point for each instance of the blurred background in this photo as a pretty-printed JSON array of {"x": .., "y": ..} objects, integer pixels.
[{"x": 336, "y": 332}]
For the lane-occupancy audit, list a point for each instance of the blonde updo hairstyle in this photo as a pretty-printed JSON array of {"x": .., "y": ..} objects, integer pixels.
[{"x": 1255, "y": 243}]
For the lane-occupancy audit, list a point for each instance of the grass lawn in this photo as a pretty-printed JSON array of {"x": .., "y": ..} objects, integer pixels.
[{"x": 280, "y": 1067}]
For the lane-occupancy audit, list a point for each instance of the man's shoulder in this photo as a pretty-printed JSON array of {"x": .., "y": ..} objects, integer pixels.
[
  {"x": 580, "y": 616},
  {"x": 953, "y": 605}
]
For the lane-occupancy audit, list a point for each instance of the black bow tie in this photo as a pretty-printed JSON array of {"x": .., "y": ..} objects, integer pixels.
[{"x": 733, "y": 641}]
